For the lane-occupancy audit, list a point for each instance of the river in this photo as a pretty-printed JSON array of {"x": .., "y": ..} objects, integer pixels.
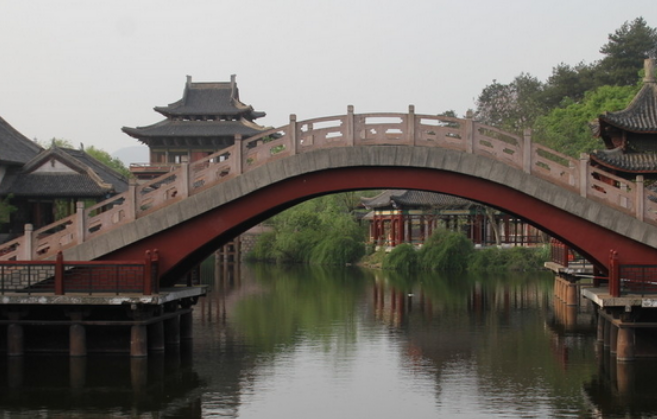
[{"x": 298, "y": 342}]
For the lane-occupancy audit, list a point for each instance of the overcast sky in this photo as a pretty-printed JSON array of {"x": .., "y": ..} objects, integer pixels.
[{"x": 82, "y": 69}]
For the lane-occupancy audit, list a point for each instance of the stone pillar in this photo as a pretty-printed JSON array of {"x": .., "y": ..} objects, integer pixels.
[
  {"x": 156, "y": 337},
  {"x": 138, "y": 341},
  {"x": 571, "y": 294},
  {"x": 15, "y": 340},
  {"x": 77, "y": 372},
  {"x": 607, "y": 338},
  {"x": 186, "y": 326},
  {"x": 613, "y": 339},
  {"x": 601, "y": 327},
  {"x": 172, "y": 331},
  {"x": 77, "y": 340},
  {"x": 625, "y": 347}
]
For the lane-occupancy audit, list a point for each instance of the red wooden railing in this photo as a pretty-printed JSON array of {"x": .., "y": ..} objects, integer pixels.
[{"x": 60, "y": 277}]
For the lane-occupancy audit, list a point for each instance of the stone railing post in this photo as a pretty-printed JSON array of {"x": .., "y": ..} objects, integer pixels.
[
  {"x": 527, "y": 151},
  {"x": 292, "y": 134},
  {"x": 80, "y": 221},
  {"x": 238, "y": 155},
  {"x": 583, "y": 174},
  {"x": 132, "y": 200},
  {"x": 469, "y": 133},
  {"x": 639, "y": 197},
  {"x": 184, "y": 180},
  {"x": 410, "y": 124},
  {"x": 350, "y": 126},
  {"x": 28, "y": 244}
]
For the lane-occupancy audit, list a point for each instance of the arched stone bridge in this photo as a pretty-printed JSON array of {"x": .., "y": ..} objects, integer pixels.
[{"x": 191, "y": 211}]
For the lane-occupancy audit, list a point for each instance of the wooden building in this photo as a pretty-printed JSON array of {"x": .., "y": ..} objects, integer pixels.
[
  {"x": 630, "y": 135},
  {"x": 208, "y": 118},
  {"x": 44, "y": 184},
  {"x": 410, "y": 216}
]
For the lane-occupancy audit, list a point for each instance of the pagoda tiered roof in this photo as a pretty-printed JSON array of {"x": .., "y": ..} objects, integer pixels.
[
  {"x": 207, "y": 111},
  {"x": 219, "y": 99},
  {"x": 631, "y": 134}
]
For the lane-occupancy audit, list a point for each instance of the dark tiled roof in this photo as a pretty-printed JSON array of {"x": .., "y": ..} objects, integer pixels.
[
  {"x": 52, "y": 185},
  {"x": 630, "y": 162},
  {"x": 640, "y": 115},
  {"x": 413, "y": 198},
  {"x": 190, "y": 129},
  {"x": 90, "y": 178},
  {"x": 210, "y": 99},
  {"x": 15, "y": 148}
]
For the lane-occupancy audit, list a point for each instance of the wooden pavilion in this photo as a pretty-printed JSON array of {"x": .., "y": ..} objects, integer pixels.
[
  {"x": 208, "y": 118},
  {"x": 630, "y": 135},
  {"x": 410, "y": 216}
]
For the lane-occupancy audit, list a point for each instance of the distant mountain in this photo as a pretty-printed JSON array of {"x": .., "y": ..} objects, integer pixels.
[{"x": 134, "y": 154}]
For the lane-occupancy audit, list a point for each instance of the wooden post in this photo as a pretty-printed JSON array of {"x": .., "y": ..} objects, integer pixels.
[{"x": 59, "y": 274}]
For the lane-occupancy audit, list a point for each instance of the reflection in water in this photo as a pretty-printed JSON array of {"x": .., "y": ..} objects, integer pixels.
[{"x": 275, "y": 342}]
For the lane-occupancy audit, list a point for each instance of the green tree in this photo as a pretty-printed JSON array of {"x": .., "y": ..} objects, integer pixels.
[
  {"x": 568, "y": 128},
  {"x": 5, "y": 210},
  {"x": 105, "y": 158},
  {"x": 568, "y": 82},
  {"x": 514, "y": 106},
  {"x": 323, "y": 230},
  {"x": 628, "y": 46}
]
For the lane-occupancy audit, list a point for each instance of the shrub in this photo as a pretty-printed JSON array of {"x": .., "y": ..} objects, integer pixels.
[
  {"x": 402, "y": 258},
  {"x": 335, "y": 250}
]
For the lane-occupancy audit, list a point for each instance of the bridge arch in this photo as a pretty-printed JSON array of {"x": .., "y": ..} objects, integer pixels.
[{"x": 187, "y": 231}]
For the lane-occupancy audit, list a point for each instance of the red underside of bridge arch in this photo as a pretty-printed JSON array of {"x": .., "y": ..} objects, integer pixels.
[{"x": 188, "y": 243}]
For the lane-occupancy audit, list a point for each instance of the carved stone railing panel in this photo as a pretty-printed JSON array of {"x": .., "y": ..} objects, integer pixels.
[
  {"x": 259, "y": 150},
  {"x": 381, "y": 129},
  {"x": 555, "y": 167},
  {"x": 321, "y": 133},
  {"x": 498, "y": 145},
  {"x": 612, "y": 190},
  {"x": 440, "y": 131},
  {"x": 55, "y": 237}
]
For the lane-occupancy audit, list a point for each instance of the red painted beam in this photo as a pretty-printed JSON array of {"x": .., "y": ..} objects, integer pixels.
[{"x": 190, "y": 242}]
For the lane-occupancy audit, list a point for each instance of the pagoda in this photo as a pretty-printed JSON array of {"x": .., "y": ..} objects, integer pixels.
[
  {"x": 630, "y": 135},
  {"x": 208, "y": 118}
]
